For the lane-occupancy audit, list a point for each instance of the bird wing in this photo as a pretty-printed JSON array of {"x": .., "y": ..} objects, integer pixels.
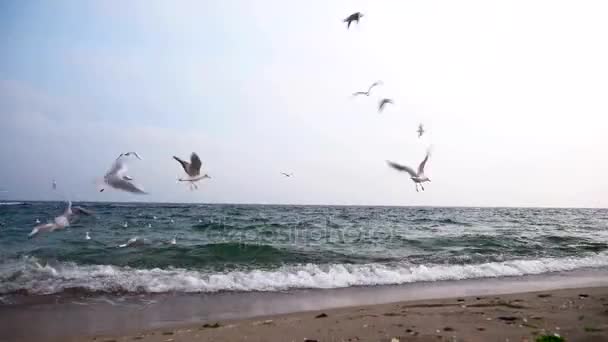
[
  {"x": 377, "y": 83},
  {"x": 119, "y": 168},
  {"x": 133, "y": 153},
  {"x": 121, "y": 184},
  {"x": 185, "y": 164},
  {"x": 382, "y": 103},
  {"x": 400, "y": 167},
  {"x": 360, "y": 93},
  {"x": 195, "y": 164},
  {"x": 422, "y": 164},
  {"x": 41, "y": 228}
]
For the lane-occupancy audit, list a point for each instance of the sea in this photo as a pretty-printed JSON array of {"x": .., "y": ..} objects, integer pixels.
[{"x": 272, "y": 248}]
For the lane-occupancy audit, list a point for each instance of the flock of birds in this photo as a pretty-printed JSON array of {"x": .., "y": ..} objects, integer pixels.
[
  {"x": 117, "y": 177},
  {"x": 418, "y": 177}
]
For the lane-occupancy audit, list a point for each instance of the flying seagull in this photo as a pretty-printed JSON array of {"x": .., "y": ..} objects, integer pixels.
[
  {"x": 382, "y": 103},
  {"x": 192, "y": 169},
  {"x": 353, "y": 17},
  {"x": 62, "y": 221},
  {"x": 417, "y": 177},
  {"x": 117, "y": 177},
  {"x": 368, "y": 92},
  {"x": 287, "y": 174},
  {"x": 420, "y": 130}
]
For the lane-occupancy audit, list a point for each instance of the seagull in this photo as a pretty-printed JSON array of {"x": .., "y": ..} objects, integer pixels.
[
  {"x": 417, "y": 177},
  {"x": 382, "y": 103},
  {"x": 420, "y": 130},
  {"x": 62, "y": 221},
  {"x": 128, "y": 154},
  {"x": 172, "y": 221},
  {"x": 192, "y": 169},
  {"x": 174, "y": 240},
  {"x": 353, "y": 17},
  {"x": 37, "y": 221},
  {"x": 87, "y": 236},
  {"x": 287, "y": 174},
  {"x": 117, "y": 177},
  {"x": 149, "y": 225},
  {"x": 125, "y": 225},
  {"x": 54, "y": 185},
  {"x": 154, "y": 217},
  {"x": 369, "y": 90}
]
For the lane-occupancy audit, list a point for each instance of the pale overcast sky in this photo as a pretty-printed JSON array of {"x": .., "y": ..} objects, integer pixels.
[{"x": 513, "y": 95}]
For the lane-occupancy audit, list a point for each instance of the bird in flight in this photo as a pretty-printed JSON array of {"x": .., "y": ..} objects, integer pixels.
[
  {"x": 368, "y": 92},
  {"x": 353, "y": 17},
  {"x": 420, "y": 130},
  {"x": 62, "y": 221},
  {"x": 287, "y": 174},
  {"x": 54, "y": 185},
  {"x": 192, "y": 169},
  {"x": 117, "y": 177},
  {"x": 382, "y": 103},
  {"x": 417, "y": 177}
]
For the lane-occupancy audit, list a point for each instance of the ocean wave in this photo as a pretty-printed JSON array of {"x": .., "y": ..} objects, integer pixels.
[
  {"x": 11, "y": 203},
  {"x": 29, "y": 276}
]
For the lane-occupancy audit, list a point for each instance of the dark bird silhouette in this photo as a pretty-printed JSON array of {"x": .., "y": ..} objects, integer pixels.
[
  {"x": 353, "y": 17},
  {"x": 420, "y": 130},
  {"x": 366, "y": 93},
  {"x": 383, "y": 102}
]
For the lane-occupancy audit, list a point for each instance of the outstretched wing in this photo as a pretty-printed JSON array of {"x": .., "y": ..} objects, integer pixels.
[
  {"x": 124, "y": 185},
  {"x": 185, "y": 164},
  {"x": 119, "y": 168},
  {"x": 377, "y": 83},
  {"x": 421, "y": 166},
  {"x": 400, "y": 167},
  {"x": 195, "y": 164},
  {"x": 359, "y": 93}
]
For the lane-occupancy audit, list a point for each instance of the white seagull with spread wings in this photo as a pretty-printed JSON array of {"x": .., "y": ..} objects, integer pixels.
[
  {"x": 417, "y": 177},
  {"x": 62, "y": 221},
  {"x": 192, "y": 169},
  {"x": 117, "y": 177}
]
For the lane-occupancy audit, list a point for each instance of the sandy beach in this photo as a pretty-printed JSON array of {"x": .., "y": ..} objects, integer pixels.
[{"x": 576, "y": 314}]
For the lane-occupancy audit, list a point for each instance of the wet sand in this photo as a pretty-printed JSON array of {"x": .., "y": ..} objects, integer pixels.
[{"x": 575, "y": 314}]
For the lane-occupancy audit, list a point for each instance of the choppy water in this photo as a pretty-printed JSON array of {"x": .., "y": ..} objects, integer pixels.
[{"x": 273, "y": 248}]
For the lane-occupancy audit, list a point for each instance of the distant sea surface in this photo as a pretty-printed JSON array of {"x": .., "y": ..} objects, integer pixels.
[{"x": 276, "y": 248}]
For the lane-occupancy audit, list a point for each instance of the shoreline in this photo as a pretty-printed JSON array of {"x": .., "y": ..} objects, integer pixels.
[
  {"x": 579, "y": 314},
  {"x": 79, "y": 318}
]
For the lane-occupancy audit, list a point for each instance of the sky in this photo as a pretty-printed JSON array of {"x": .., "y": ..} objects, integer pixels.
[{"x": 512, "y": 95}]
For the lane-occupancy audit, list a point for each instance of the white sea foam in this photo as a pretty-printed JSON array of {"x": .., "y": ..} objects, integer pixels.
[
  {"x": 28, "y": 274},
  {"x": 11, "y": 203}
]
